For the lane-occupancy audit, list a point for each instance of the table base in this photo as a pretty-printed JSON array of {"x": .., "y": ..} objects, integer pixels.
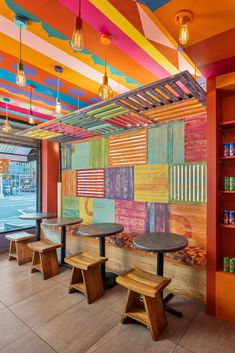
[
  {"x": 169, "y": 309},
  {"x": 109, "y": 280}
]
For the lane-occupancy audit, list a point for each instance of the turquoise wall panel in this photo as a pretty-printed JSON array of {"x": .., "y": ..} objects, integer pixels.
[
  {"x": 70, "y": 207},
  {"x": 81, "y": 155},
  {"x": 176, "y": 142},
  {"x": 103, "y": 210},
  {"x": 157, "y": 145}
]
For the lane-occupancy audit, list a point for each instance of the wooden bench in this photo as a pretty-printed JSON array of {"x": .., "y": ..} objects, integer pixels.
[
  {"x": 86, "y": 275},
  {"x": 45, "y": 257},
  {"x": 144, "y": 301},
  {"x": 18, "y": 247}
]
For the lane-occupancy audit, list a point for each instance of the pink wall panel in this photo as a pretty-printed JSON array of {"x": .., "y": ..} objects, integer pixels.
[{"x": 195, "y": 139}]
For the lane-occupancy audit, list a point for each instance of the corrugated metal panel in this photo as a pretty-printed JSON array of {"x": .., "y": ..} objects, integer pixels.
[
  {"x": 188, "y": 183},
  {"x": 90, "y": 183},
  {"x": 128, "y": 149}
]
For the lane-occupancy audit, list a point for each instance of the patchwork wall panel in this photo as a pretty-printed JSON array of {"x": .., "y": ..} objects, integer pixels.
[
  {"x": 195, "y": 139},
  {"x": 187, "y": 183},
  {"x": 128, "y": 148},
  {"x": 86, "y": 210},
  {"x": 98, "y": 153},
  {"x": 119, "y": 183},
  {"x": 176, "y": 142},
  {"x": 157, "y": 217},
  {"x": 103, "y": 210},
  {"x": 151, "y": 183},
  {"x": 81, "y": 155},
  {"x": 70, "y": 207},
  {"x": 69, "y": 183},
  {"x": 90, "y": 182},
  {"x": 66, "y": 157},
  {"x": 132, "y": 215}
]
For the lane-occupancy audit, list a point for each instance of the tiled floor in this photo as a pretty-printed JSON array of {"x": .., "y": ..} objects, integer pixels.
[{"x": 39, "y": 316}]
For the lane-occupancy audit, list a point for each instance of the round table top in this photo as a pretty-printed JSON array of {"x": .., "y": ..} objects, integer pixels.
[
  {"x": 62, "y": 222},
  {"x": 100, "y": 229},
  {"x": 37, "y": 215},
  {"x": 160, "y": 242}
]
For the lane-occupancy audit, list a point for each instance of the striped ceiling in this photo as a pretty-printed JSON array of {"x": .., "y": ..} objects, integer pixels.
[{"x": 142, "y": 51}]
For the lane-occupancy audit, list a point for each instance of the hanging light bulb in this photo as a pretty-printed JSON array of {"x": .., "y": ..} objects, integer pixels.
[
  {"x": 77, "y": 42},
  {"x": 6, "y": 127},
  {"x": 58, "y": 105},
  {"x": 31, "y": 118},
  {"x": 184, "y": 17},
  {"x": 105, "y": 92},
  {"x": 21, "y": 22}
]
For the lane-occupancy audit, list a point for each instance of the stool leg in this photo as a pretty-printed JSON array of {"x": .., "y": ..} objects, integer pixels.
[
  {"x": 24, "y": 253},
  {"x": 35, "y": 261},
  {"x": 12, "y": 251},
  {"x": 76, "y": 278},
  {"x": 50, "y": 265},
  {"x": 131, "y": 300},
  {"x": 154, "y": 314},
  {"x": 93, "y": 284}
]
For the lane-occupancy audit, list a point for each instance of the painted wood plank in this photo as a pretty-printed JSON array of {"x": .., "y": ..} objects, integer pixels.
[
  {"x": 176, "y": 143},
  {"x": 157, "y": 217},
  {"x": 66, "y": 157},
  {"x": 195, "y": 139},
  {"x": 151, "y": 183},
  {"x": 132, "y": 215},
  {"x": 69, "y": 182},
  {"x": 81, "y": 155},
  {"x": 70, "y": 207},
  {"x": 90, "y": 182},
  {"x": 103, "y": 211},
  {"x": 86, "y": 210},
  {"x": 158, "y": 145},
  {"x": 99, "y": 153},
  {"x": 119, "y": 183}
]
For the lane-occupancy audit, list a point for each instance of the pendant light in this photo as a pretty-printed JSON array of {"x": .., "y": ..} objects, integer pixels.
[
  {"x": 105, "y": 91},
  {"x": 6, "y": 127},
  {"x": 183, "y": 17},
  {"x": 21, "y": 22},
  {"x": 58, "y": 106},
  {"x": 31, "y": 118},
  {"x": 77, "y": 42}
]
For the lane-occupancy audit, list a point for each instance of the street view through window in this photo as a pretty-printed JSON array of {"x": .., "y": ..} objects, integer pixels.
[{"x": 17, "y": 186}]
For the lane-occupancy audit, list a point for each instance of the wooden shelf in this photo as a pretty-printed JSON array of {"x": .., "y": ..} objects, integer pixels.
[
  {"x": 227, "y": 226},
  {"x": 227, "y": 191},
  {"x": 227, "y": 158},
  {"x": 226, "y": 273},
  {"x": 230, "y": 123}
]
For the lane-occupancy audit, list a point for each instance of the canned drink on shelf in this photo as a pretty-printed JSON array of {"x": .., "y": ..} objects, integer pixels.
[
  {"x": 226, "y": 149},
  {"x": 232, "y": 148},
  {"x": 232, "y": 265},
  {"x": 231, "y": 183},
  {"x": 232, "y": 217},
  {"x": 226, "y": 264},
  {"x": 226, "y": 217},
  {"x": 226, "y": 183}
]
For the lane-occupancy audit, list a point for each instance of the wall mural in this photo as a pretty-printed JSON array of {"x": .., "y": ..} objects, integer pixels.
[{"x": 148, "y": 180}]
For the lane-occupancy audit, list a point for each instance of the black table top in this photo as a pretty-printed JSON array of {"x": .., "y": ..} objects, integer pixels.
[
  {"x": 37, "y": 215},
  {"x": 100, "y": 229},
  {"x": 160, "y": 242},
  {"x": 62, "y": 222}
]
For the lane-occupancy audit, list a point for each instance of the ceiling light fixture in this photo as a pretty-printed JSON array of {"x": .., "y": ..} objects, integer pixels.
[
  {"x": 6, "y": 127},
  {"x": 183, "y": 17},
  {"x": 77, "y": 42},
  {"x": 21, "y": 22},
  {"x": 31, "y": 118},
  {"x": 58, "y": 106},
  {"x": 105, "y": 91}
]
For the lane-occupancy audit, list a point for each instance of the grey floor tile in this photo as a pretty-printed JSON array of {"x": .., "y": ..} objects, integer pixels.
[
  {"x": 11, "y": 328},
  {"x": 77, "y": 329},
  {"x": 131, "y": 338},
  {"x": 180, "y": 349},
  {"x": 9, "y": 274},
  {"x": 18, "y": 290},
  {"x": 45, "y": 305},
  {"x": 177, "y": 326},
  {"x": 65, "y": 275},
  {"x": 114, "y": 299},
  {"x": 209, "y": 335},
  {"x": 29, "y": 343},
  {"x": 2, "y": 306}
]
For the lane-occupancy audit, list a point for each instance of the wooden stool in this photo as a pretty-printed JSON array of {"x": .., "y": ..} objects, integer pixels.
[
  {"x": 86, "y": 276},
  {"x": 45, "y": 257},
  {"x": 18, "y": 247},
  {"x": 150, "y": 310}
]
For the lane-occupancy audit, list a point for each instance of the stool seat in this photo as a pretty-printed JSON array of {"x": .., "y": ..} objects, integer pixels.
[
  {"x": 18, "y": 247},
  {"x": 86, "y": 276},
  {"x": 44, "y": 245},
  {"x": 45, "y": 257},
  {"x": 144, "y": 301}
]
